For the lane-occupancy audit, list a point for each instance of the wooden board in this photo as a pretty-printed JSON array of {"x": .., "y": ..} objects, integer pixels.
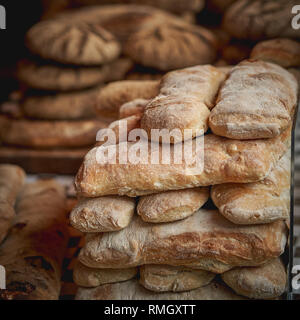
[{"x": 44, "y": 161}]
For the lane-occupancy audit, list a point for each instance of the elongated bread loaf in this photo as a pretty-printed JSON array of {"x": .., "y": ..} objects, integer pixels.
[
  {"x": 264, "y": 282},
  {"x": 131, "y": 290},
  {"x": 33, "y": 252},
  {"x": 115, "y": 94},
  {"x": 204, "y": 235},
  {"x": 134, "y": 107},
  {"x": 92, "y": 277},
  {"x": 172, "y": 205},
  {"x": 184, "y": 101},
  {"x": 257, "y": 101},
  {"x": 258, "y": 202},
  {"x": 282, "y": 51},
  {"x": 225, "y": 161},
  {"x": 102, "y": 214},
  {"x": 160, "y": 278},
  {"x": 11, "y": 182}
]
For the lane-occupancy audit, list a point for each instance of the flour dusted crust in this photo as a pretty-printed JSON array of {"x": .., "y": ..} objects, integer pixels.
[
  {"x": 171, "y": 205},
  {"x": 204, "y": 235},
  {"x": 259, "y": 20},
  {"x": 115, "y": 94},
  {"x": 55, "y": 77},
  {"x": 259, "y": 202},
  {"x": 102, "y": 214},
  {"x": 131, "y": 290},
  {"x": 134, "y": 107},
  {"x": 168, "y": 47},
  {"x": 184, "y": 101},
  {"x": 92, "y": 277},
  {"x": 225, "y": 160},
  {"x": 50, "y": 134},
  {"x": 256, "y": 101},
  {"x": 282, "y": 51},
  {"x": 34, "y": 250},
  {"x": 264, "y": 282},
  {"x": 78, "y": 43},
  {"x": 161, "y": 278},
  {"x": 12, "y": 179}
]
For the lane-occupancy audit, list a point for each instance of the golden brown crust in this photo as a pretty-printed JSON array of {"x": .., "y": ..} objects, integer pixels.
[
  {"x": 259, "y": 202},
  {"x": 115, "y": 94},
  {"x": 282, "y": 51},
  {"x": 162, "y": 278},
  {"x": 256, "y": 101},
  {"x": 134, "y": 107},
  {"x": 33, "y": 253},
  {"x": 51, "y": 134},
  {"x": 225, "y": 160},
  {"x": 171, "y": 205},
  {"x": 202, "y": 238},
  {"x": 103, "y": 214},
  {"x": 264, "y": 282},
  {"x": 91, "y": 277}
]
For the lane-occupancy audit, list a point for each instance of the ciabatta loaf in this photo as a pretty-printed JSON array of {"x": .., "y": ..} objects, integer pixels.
[
  {"x": 92, "y": 277},
  {"x": 184, "y": 101},
  {"x": 225, "y": 161},
  {"x": 172, "y": 205},
  {"x": 205, "y": 238},
  {"x": 33, "y": 252},
  {"x": 102, "y": 214},
  {"x": 160, "y": 278},
  {"x": 11, "y": 182},
  {"x": 131, "y": 290},
  {"x": 264, "y": 282},
  {"x": 258, "y": 202},
  {"x": 256, "y": 101}
]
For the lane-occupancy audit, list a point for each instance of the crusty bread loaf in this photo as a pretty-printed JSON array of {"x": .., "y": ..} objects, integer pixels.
[
  {"x": 91, "y": 277},
  {"x": 115, "y": 94},
  {"x": 258, "y": 202},
  {"x": 184, "y": 101},
  {"x": 160, "y": 278},
  {"x": 265, "y": 282},
  {"x": 33, "y": 252},
  {"x": 131, "y": 290},
  {"x": 256, "y": 101},
  {"x": 134, "y": 107},
  {"x": 172, "y": 205},
  {"x": 225, "y": 161},
  {"x": 11, "y": 182},
  {"x": 204, "y": 235},
  {"x": 102, "y": 214},
  {"x": 282, "y": 51},
  {"x": 50, "y": 134}
]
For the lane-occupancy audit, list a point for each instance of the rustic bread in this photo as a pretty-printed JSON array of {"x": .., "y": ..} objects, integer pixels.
[
  {"x": 102, "y": 214},
  {"x": 171, "y": 205},
  {"x": 115, "y": 94},
  {"x": 50, "y": 134},
  {"x": 225, "y": 161},
  {"x": 184, "y": 101},
  {"x": 73, "y": 43},
  {"x": 34, "y": 250},
  {"x": 264, "y": 282},
  {"x": 11, "y": 182},
  {"x": 204, "y": 235},
  {"x": 282, "y": 51},
  {"x": 260, "y": 20},
  {"x": 258, "y": 202},
  {"x": 91, "y": 277},
  {"x": 256, "y": 101},
  {"x": 134, "y": 107},
  {"x": 131, "y": 290},
  {"x": 160, "y": 278}
]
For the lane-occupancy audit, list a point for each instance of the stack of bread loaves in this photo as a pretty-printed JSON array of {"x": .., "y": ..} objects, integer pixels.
[{"x": 174, "y": 246}]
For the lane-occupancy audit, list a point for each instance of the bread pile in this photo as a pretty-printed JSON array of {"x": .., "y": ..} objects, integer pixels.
[
  {"x": 33, "y": 235},
  {"x": 150, "y": 233}
]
